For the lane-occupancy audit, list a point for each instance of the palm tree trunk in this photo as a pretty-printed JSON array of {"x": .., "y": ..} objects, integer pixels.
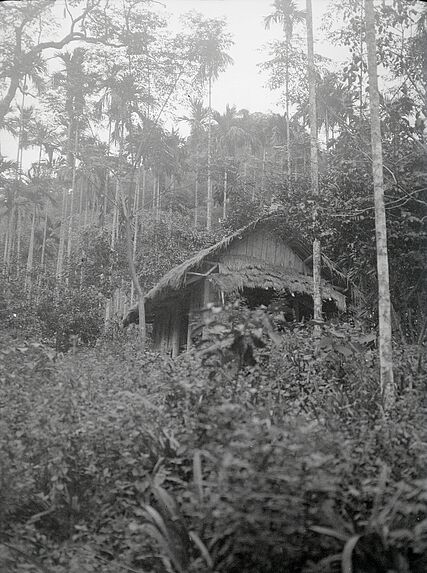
[
  {"x": 73, "y": 186},
  {"x": 154, "y": 201},
  {"x": 85, "y": 218},
  {"x": 114, "y": 230},
  {"x": 384, "y": 307},
  {"x": 327, "y": 131},
  {"x": 9, "y": 238},
  {"x": 361, "y": 69},
  {"x": 264, "y": 154},
  {"x": 144, "y": 180},
  {"x": 158, "y": 205},
  {"x": 209, "y": 195},
  {"x": 196, "y": 201},
  {"x": 132, "y": 269},
  {"x": 172, "y": 184},
  {"x": 317, "y": 295},
  {"x": 224, "y": 206},
  {"x": 42, "y": 262},
  {"x": 60, "y": 259},
  {"x": 30, "y": 257},
  {"x": 288, "y": 148},
  {"x": 80, "y": 201},
  {"x": 18, "y": 240},
  {"x": 135, "y": 231},
  {"x": 6, "y": 245}
]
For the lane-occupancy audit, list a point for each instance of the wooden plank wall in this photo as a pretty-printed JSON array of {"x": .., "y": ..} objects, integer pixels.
[{"x": 266, "y": 248}]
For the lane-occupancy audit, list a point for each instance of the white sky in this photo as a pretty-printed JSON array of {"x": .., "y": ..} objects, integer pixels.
[{"x": 241, "y": 84}]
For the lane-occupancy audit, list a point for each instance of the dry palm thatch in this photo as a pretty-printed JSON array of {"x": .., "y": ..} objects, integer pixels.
[{"x": 257, "y": 274}]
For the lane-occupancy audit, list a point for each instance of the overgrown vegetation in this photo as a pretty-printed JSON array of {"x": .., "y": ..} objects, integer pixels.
[
  {"x": 265, "y": 448},
  {"x": 115, "y": 459}
]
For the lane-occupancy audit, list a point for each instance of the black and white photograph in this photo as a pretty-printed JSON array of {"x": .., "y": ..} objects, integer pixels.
[{"x": 213, "y": 294}]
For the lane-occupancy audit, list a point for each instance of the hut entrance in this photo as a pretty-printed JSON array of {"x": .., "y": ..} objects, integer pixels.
[{"x": 291, "y": 306}]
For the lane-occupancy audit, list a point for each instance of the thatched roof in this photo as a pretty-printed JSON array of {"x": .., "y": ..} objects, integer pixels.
[
  {"x": 256, "y": 273},
  {"x": 269, "y": 277},
  {"x": 176, "y": 277}
]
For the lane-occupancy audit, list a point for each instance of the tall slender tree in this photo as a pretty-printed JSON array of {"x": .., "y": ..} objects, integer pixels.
[
  {"x": 287, "y": 14},
  {"x": 197, "y": 120},
  {"x": 384, "y": 306},
  {"x": 211, "y": 45},
  {"x": 314, "y": 163}
]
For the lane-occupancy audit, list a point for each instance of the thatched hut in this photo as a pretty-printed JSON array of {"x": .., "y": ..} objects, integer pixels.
[{"x": 260, "y": 262}]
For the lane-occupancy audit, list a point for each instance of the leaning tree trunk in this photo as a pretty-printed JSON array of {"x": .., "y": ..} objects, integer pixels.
[
  {"x": 317, "y": 262},
  {"x": 384, "y": 307}
]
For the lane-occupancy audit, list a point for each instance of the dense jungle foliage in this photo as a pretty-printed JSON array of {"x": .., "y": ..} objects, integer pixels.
[
  {"x": 266, "y": 447},
  {"x": 117, "y": 460}
]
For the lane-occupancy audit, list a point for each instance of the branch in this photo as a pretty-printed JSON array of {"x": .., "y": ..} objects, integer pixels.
[{"x": 390, "y": 205}]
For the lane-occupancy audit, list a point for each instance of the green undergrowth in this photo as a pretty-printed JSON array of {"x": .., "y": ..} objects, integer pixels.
[{"x": 258, "y": 451}]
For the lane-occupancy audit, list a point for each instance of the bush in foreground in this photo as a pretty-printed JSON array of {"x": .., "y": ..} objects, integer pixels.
[{"x": 115, "y": 459}]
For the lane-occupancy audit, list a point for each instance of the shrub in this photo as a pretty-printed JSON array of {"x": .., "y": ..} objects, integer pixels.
[{"x": 112, "y": 458}]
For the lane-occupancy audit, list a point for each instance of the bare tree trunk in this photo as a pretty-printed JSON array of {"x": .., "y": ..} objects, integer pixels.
[
  {"x": 5, "y": 247},
  {"x": 60, "y": 259},
  {"x": 132, "y": 269},
  {"x": 384, "y": 307},
  {"x": 135, "y": 232},
  {"x": 30, "y": 256},
  {"x": 11, "y": 234},
  {"x": 264, "y": 153},
  {"x": 73, "y": 186},
  {"x": 144, "y": 180},
  {"x": 224, "y": 206},
  {"x": 196, "y": 201},
  {"x": 80, "y": 199},
  {"x": 172, "y": 195},
  {"x": 158, "y": 199},
  {"x": 42, "y": 262},
  {"x": 114, "y": 229},
  {"x": 317, "y": 260},
  {"x": 209, "y": 195},
  {"x": 288, "y": 148},
  {"x": 18, "y": 240},
  {"x": 153, "y": 199},
  {"x": 361, "y": 69},
  {"x": 327, "y": 132}
]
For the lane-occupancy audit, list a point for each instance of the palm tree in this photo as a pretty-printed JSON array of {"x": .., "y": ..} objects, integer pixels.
[
  {"x": 197, "y": 120},
  {"x": 229, "y": 134},
  {"x": 210, "y": 49},
  {"x": 7, "y": 191},
  {"x": 287, "y": 14}
]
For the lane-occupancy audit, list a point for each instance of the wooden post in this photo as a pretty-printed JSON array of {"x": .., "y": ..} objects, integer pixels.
[{"x": 175, "y": 332}]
